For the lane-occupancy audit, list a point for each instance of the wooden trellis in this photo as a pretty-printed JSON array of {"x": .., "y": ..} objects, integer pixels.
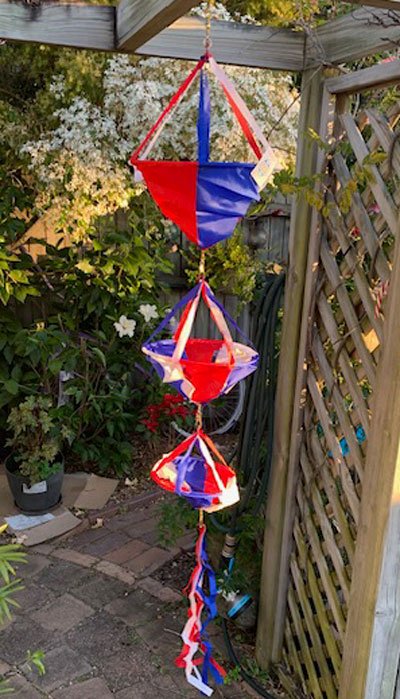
[{"x": 319, "y": 627}]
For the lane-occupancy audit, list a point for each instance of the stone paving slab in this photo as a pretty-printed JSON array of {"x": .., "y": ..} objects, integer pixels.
[
  {"x": 117, "y": 572},
  {"x": 81, "y": 559},
  {"x": 127, "y": 552},
  {"x": 61, "y": 576},
  {"x": 31, "y": 597},
  {"x": 22, "y": 635},
  {"x": 63, "y": 666},
  {"x": 62, "y": 614},
  {"x": 94, "y": 688},
  {"x": 34, "y": 565},
  {"x": 87, "y": 537},
  {"x": 23, "y": 689},
  {"x": 98, "y": 636},
  {"x": 135, "y": 609},
  {"x": 108, "y": 543},
  {"x": 100, "y": 590},
  {"x": 160, "y": 591},
  {"x": 149, "y": 561},
  {"x": 131, "y": 666}
]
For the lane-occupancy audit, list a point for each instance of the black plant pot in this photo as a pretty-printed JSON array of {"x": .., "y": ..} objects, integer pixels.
[{"x": 34, "y": 502}]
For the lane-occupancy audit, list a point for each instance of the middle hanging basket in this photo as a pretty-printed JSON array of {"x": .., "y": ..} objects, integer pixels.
[{"x": 200, "y": 369}]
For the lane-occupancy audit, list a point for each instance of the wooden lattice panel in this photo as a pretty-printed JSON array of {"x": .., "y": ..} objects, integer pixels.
[{"x": 345, "y": 325}]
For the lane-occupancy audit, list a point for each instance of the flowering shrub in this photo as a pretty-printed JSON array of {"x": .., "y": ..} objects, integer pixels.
[
  {"x": 157, "y": 417},
  {"x": 84, "y": 347}
]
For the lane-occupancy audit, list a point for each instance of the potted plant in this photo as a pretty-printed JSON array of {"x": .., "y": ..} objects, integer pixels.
[{"x": 35, "y": 467}]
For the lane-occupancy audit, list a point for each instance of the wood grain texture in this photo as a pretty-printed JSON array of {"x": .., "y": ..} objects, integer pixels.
[
  {"x": 94, "y": 27},
  {"x": 273, "y": 584},
  {"x": 385, "y": 646},
  {"x": 138, "y": 21},
  {"x": 360, "y": 33},
  {"x": 383, "y": 4},
  {"x": 374, "y": 596},
  {"x": 383, "y": 74},
  {"x": 77, "y": 26},
  {"x": 233, "y": 43}
]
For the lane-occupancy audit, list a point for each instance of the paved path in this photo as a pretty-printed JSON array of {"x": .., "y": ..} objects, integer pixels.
[{"x": 108, "y": 628}]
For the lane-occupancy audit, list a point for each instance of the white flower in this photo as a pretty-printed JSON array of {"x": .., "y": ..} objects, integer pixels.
[
  {"x": 148, "y": 312},
  {"x": 125, "y": 326}
]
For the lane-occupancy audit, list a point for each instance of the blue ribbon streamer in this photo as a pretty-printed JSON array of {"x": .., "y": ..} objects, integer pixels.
[
  {"x": 210, "y": 603},
  {"x": 204, "y": 120}
]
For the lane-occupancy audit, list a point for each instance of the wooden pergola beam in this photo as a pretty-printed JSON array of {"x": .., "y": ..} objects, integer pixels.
[
  {"x": 383, "y": 4},
  {"x": 77, "y": 26},
  {"x": 356, "y": 35},
  {"x": 94, "y": 27},
  {"x": 127, "y": 28},
  {"x": 137, "y": 21},
  {"x": 233, "y": 43}
]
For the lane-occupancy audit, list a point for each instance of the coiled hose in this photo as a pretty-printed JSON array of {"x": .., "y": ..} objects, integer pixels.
[{"x": 254, "y": 453}]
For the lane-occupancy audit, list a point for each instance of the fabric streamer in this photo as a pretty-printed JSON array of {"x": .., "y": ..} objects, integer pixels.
[{"x": 194, "y": 634}]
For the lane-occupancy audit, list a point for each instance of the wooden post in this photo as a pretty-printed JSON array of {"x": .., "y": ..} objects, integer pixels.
[
  {"x": 298, "y": 252},
  {"x": 372, "y": 641}
]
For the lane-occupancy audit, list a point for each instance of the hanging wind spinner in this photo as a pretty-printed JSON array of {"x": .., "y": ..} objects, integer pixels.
[
  {"x": 201, "y": 369},
  {"x": 206, "y": 199}
]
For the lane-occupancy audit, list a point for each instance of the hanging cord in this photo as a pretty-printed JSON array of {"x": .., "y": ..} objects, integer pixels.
[
  {"x": 202, "y": 265},
  {"x": 199, "y": 417},
  {"x": 207, "y": 39}
]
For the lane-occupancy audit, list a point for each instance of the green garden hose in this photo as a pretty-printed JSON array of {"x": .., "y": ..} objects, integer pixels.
[{"x": 254, "y": 452}]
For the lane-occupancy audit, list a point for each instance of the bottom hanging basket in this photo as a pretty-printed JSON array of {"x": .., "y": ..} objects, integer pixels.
[{"x": 197, "y": 471}]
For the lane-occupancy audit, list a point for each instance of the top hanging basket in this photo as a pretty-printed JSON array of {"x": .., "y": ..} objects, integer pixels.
[{"x": 205, "y": 199}]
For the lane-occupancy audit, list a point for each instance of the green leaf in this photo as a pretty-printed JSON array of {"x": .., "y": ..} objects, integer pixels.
[
  {"x": 98, "y": 352},
  {"x": 85, "y": 266},
  {"x": 11, "y": 386},
  {"x": 55, "y": 366},
  {"x": 18, "y": 275}
]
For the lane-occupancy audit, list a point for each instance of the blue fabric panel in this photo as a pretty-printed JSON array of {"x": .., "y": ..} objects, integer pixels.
[
  {"x": 224, "y": 194},
  {"x": 192, "y": 470},
  {"x": 204, "y": 119}
]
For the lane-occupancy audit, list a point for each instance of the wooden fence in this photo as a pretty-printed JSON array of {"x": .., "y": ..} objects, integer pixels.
[{"x": 330, "y": 585}]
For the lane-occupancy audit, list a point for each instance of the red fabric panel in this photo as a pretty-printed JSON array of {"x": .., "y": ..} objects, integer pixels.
[
  {"x": 198, "y": 350},
  {"x": 173, "y": 186},
  {"x": 208, "y": 379},
  {"x": 224, "y": 472}
]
